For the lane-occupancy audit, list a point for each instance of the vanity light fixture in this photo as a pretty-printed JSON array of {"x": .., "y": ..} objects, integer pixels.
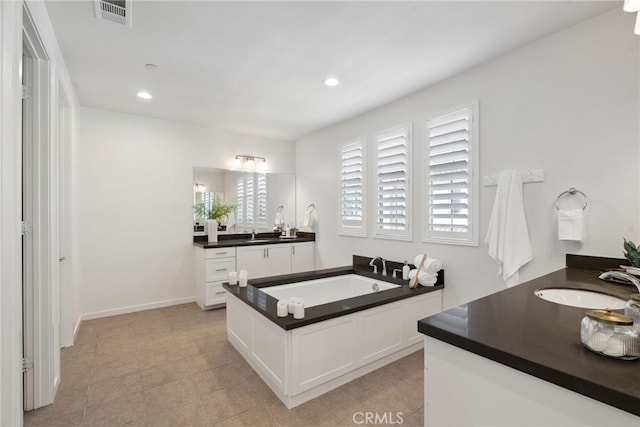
[
  {"x": 332, "y": 81},
  {"x": 242, "y": 161},
  {"x": 199, "y": 188},
  {"x": 144, "y": 95}
]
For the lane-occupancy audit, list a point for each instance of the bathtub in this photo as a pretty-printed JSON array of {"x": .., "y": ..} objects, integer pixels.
[
  {"x": 349, "y": 329},
  {"x": 330, "y": 289}
]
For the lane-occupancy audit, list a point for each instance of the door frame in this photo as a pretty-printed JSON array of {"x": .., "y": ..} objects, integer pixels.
[
  {"x": 44, "y": 229},
  {"x": 10, "y": 213}
]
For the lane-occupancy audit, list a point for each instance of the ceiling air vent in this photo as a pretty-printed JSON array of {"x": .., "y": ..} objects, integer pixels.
[{"x": 115, "y": 11}]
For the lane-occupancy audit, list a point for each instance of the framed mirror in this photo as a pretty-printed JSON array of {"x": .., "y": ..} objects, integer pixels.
[{"x": 260, "y": 201}]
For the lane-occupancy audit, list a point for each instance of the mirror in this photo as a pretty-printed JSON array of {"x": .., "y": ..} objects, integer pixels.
[{"x": 260, "y": 198}]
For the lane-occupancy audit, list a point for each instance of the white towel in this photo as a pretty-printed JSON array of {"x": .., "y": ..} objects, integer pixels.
[
  {"x": 571, "y": 224},
  {"x": 507, "y": 236},
  {"x": 307, "y": 219},
  {"x": 424, "y": 278},
  {"x": 430, "y": 265},
  {"x": 279, "y": 219}
]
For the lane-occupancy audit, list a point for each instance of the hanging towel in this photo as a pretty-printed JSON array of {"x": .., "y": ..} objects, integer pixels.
[
  {"x": 508, "y": 237},
  {"x": 571, "y": 224},
  {"x": 308, "y": 221}
]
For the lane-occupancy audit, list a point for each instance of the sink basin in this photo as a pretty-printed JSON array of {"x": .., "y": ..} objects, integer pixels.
[{"x": 580, "y": 298}]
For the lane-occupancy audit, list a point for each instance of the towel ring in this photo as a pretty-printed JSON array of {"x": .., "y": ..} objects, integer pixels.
[{"x": 571, "y": 192}]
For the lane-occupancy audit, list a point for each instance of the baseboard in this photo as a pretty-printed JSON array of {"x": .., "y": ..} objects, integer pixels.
[
  {"x": 76, "y": 329},
  {"x": 134, "y": 308}
]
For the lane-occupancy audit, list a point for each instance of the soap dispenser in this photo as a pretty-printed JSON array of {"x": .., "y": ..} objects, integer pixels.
[{"x": 405, "y": 271}]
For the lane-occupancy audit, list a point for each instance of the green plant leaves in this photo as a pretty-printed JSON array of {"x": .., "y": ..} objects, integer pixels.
[{"x": 632, "y": 253}]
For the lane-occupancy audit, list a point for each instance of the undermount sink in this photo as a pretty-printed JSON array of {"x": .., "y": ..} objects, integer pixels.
[
  {"x": 257, "y": 241},
  {"x": 580, "y": 298}
]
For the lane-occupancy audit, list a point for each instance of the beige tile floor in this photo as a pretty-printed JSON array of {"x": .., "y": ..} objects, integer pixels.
[{"x": 173, "y": 366}]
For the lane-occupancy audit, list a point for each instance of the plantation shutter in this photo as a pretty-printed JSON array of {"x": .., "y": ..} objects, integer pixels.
[
  {"x": 249, "y": 200},
  {"x": 261, "y": 200},
  {"x": 352, "y": 189},
  {"x": 240, "y": 201},
  {"x": 450, "y": 175},
  {"x": 392, "y": 180}
]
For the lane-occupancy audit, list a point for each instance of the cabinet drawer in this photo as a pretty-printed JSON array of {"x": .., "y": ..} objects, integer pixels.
[
  {"x": 219, "y": 253},
  {"x": 219, "y": 269},
  {"x": 215, "y": 293}
]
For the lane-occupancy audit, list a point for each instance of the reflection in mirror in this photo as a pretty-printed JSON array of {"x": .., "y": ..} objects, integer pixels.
[{"x": 262, "y": 201}]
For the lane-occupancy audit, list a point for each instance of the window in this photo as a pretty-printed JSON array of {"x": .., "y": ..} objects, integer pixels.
[
  {"x": 240, "y": 201},
  {"x": 251, "y": 200},
  {"x": 261, "y": 199},
  {"x": 452, "y": 187},
  {"x": 393, "y": 189},
  {"x": 352, "y": 189}
]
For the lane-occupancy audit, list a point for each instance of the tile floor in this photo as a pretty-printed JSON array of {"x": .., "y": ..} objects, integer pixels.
[{"x": 173, "y": 366}]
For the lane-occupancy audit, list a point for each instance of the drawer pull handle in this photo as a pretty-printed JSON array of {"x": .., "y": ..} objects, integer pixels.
[
  {"x": 220, "y": 293},
  {"x": 221, "y": 253},
  {"x": 222, "y": 269}
]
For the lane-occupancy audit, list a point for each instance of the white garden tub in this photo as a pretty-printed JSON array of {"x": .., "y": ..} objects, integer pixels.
[{"x": 330, "y": 289}]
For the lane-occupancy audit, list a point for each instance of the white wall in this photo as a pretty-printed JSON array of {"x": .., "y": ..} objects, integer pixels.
[
  {"x": 133, "y": 214},
  {"x": 567, "y": 104}
]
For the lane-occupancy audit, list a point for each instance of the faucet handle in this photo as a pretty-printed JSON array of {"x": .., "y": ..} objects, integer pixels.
[{"x": 395, "y": 270}]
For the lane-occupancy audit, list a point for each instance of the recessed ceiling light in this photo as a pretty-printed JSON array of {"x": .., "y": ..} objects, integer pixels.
[
  {"x": 331, "y": 81},
  {"x": 144, "y": 95}
]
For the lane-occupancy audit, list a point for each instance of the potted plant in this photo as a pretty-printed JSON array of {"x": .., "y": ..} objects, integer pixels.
[{"x": 217, "y": 210}]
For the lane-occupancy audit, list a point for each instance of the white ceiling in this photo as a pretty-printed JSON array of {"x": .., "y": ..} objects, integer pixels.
[{"x": 257, "y": 67}]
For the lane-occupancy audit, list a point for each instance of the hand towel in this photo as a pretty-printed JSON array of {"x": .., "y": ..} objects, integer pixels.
[
  {"x": 571, "y": 224},
  {"x": 508, "y": 236},
  {"x": 307, "y": 219},
  {"x": 430, "y": 265}
]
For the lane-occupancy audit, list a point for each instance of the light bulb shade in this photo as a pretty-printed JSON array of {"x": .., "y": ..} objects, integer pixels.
[
  {"x": 631, "y": 5},
  {"x": 263, "y": 165},
  {"x": 236, "y": 163},
  {"x": 250, "y": 164}
]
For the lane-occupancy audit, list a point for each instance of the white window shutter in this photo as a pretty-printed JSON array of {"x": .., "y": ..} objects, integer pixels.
[
  {"x": 452, "y": 186},
  {"x": 352, "y": 188},
  {"x": 393, "y": 189},
  {"x": 249, "y": 192},
  {"x": 261, "y": 198},
  {"x": 240, "y": 209}
]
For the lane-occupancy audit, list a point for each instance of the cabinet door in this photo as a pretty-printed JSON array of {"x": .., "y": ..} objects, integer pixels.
[
  {"x": 253, "y": 259},
  {"x": 303, "y": 257},
  {"x": 278, "y": 259}
]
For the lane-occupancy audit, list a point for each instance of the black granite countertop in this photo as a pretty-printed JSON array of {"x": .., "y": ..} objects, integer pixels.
[
  {"x": 226, "y": 241},
  {"x": 540, "y": 338},
  {"x": 267, "y": 305}
]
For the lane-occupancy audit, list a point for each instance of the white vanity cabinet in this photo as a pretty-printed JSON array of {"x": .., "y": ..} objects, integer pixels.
[
  {"x": 264, "y": 260},
  {"x": 212, "y": 268},
  {"x": 277, "y": 259},
  {"x": 303, "y": 257}
]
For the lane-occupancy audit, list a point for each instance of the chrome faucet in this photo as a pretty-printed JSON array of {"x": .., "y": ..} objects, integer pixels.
[
  {"x": 372, "y": 264},
  {"x": 375, "y": 267},
  {"x": 395, "y": 270},
  {"x": 623, "y": 277},
  {"x": 253, "y": 234}
]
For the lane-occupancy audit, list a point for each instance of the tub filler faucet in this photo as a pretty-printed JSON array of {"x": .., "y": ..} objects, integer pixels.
[{"x": 375, "y": 267}]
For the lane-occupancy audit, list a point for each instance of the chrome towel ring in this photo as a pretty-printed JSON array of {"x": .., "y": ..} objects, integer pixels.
[{"x": 571, "y": 192}]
